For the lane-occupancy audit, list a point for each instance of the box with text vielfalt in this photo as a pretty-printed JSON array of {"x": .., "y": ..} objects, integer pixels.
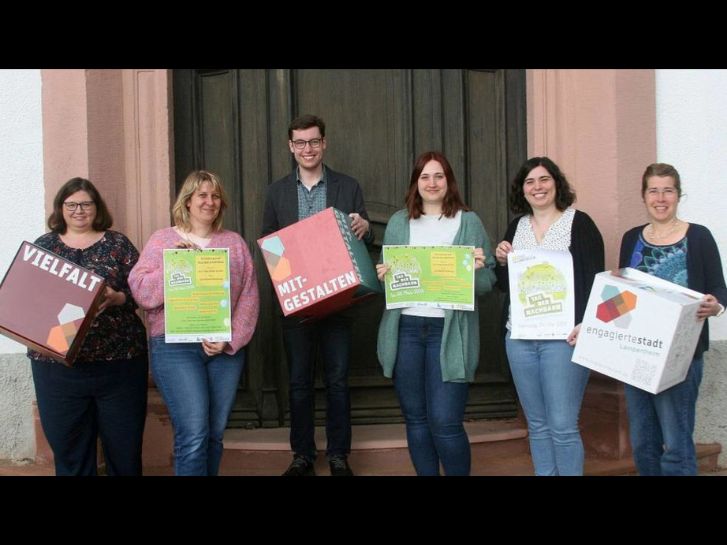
[
  {"x": 639, "y": 329},
  {"x": 48, "y": 303},
  {"x": 318, "y": 266}
]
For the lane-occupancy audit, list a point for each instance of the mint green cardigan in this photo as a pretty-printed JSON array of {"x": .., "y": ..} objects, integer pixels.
[{"x": 460, "y": 351}]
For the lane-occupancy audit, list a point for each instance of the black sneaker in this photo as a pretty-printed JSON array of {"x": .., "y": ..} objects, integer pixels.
[
  {"x": 339, "y": 467},
  {"x": 300, "y": 467}
]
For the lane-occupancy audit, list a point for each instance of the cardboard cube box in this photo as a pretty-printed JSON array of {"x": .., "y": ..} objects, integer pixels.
[
  {"x": 48, "y": 303},
  {"x": 318, "y": 266},
  {"x": 639, "y": 329}
]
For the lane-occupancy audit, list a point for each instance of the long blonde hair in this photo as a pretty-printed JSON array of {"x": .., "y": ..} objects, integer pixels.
[{"x": 180, "y": 212}]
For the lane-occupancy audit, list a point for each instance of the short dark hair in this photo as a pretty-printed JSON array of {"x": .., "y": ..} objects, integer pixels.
[
  {"x": 661, "y": 169},
  {"x": 101, "y": 222},
  {"x": 452, "y": 200},
  {"x": 564, "y": 194},
  {"x": 306, "y": 122}
]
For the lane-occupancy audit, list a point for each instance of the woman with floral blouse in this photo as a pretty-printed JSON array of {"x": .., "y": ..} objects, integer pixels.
[{"x": 104, "y": 393}]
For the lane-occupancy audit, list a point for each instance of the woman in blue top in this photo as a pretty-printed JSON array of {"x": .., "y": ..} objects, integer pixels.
[
  {"x": 432, "y": 354},
  {"x": 661, "y": 425}
]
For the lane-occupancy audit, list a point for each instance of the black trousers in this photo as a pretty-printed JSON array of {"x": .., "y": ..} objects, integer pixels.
[{"x": 105, "y": 399}]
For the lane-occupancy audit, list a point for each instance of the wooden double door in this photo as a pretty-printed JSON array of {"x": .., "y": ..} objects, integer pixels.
[{"x": 234, "y": 122}]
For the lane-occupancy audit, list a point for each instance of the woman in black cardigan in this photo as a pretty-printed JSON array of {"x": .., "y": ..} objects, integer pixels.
[
  {"x": 550, "y": 386},
  {"x": 661, "y": 425}
]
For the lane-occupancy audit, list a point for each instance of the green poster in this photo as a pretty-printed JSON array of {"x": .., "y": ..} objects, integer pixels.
[
  {"x": 197, "y": 295},
  {"x": 431, "y": 276}
]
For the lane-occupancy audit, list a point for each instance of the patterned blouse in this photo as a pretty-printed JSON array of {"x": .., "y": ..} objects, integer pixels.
[
  {"x": 117, "y": 333},
  {"x": 667, "y": 262},
  {"x": 557, "y": 237}
]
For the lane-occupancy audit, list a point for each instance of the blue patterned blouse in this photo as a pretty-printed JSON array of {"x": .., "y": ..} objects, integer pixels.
[{"x": 667, "y": 262}]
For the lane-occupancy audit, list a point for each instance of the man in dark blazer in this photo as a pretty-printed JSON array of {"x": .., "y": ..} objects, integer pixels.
[{"x": 309, "y": 189}]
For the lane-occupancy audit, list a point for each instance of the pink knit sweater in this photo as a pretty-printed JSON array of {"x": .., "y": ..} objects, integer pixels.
[{"x": 146, "y": 281}]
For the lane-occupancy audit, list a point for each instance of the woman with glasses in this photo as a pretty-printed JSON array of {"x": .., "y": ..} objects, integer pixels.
[
  {"x": 104, "y": 393},
  {"x": 661, "y": 425},
  {"x": 198, "y": 380}
]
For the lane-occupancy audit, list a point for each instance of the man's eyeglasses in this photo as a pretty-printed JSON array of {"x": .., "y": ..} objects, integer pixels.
[
  {"x": 71, "y": 206},
  {"x": 314, "y": 143}
]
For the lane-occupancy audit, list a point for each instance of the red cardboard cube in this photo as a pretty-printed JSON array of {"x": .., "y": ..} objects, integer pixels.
[
  {"x": 48, "y": 303},
  {"x": 318, "y": 266}
]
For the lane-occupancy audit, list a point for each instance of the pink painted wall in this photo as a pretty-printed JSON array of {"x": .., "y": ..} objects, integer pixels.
[
  {"x": 600, "y": 127},
  {"x": 65, "y": 129},
  {"x": 114, "y": 128}
]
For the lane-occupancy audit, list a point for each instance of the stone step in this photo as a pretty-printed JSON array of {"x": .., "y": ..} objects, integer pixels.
[
  {"x": 513, "y": 465},
  {"x": 375, "y": 449}
]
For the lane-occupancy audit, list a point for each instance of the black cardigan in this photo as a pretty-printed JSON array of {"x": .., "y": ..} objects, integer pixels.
[
  {"x": 704, "y": 268},
  {"x": 586, "y": 247}
]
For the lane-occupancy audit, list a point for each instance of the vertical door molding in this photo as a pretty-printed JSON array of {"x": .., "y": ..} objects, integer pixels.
[{"x": 148, "y": 144}]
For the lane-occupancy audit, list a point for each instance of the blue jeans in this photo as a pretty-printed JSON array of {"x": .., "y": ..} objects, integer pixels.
[
  {"x": 433, "y": 409},
  {"x": 199, "y": 392},
  {"x": 661, "y": 426},
  {"x": 102, "y": 398},
  {"x": 550, "y": 387},
  {"x": 332, "y": 336}
]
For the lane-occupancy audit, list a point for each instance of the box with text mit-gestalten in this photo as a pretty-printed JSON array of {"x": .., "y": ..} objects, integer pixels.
[{"x": 318, "y": 266}]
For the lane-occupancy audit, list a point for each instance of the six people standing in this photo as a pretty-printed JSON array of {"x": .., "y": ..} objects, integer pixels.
[{"x": 431, "y": 354}]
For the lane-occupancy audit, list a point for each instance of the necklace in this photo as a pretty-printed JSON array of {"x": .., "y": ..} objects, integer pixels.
[{"x": 673, "y": 225}]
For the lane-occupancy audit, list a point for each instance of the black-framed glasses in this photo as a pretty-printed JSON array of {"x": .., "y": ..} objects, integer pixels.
[
  {"x": 72, "y": 206},
  {"x": 314, "y": 143}
]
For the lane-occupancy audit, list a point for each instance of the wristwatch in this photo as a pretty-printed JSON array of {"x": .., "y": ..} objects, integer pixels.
[{"x": 721, "y": 311}]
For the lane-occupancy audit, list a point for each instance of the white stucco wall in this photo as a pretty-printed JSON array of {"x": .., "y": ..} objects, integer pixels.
[
  {"x": 692, "y": 135},
  {"x": 22, "y": 217}
]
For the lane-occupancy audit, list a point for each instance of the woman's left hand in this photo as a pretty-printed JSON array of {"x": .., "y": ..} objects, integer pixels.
[
  {"x": 708, "y": 307},
  {"x": 212, "y": 349},
  {"x": 111, "y": 298},
  {"x": 573, "y": 337},
  {"x": 479, "y": 258}
]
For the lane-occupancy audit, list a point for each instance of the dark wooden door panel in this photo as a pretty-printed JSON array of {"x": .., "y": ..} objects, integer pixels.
[{"x": 235, "y": 122}]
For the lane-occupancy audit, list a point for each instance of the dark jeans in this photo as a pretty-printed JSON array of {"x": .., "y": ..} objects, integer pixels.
[
  {"x": 332, "y": 336},
  {"x": 79, "y": 404},
  {"x": 433, "y": 409},
  {"x": 662, "y": 425}
]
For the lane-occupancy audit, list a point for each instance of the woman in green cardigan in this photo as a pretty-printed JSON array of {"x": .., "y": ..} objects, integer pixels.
[{"x": 431, "y": 353}]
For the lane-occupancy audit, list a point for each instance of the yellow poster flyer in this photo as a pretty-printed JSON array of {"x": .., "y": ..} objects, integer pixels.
[
  {"x": 433, "y": 276},
  {"x": 197, "y": 295}
]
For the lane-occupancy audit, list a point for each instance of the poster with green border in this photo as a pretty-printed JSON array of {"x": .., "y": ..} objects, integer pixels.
[
  {"x": 542, "y": 296},
  {"x": 430, "y": 276},
  {"x": 197, "y": 295}
]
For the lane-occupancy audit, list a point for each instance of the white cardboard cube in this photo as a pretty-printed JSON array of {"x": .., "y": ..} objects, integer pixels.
[{"x": 639, "y": 329}]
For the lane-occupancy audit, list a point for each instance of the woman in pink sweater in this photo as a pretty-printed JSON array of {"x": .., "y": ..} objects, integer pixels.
[{"x": 198, "y": 381}]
